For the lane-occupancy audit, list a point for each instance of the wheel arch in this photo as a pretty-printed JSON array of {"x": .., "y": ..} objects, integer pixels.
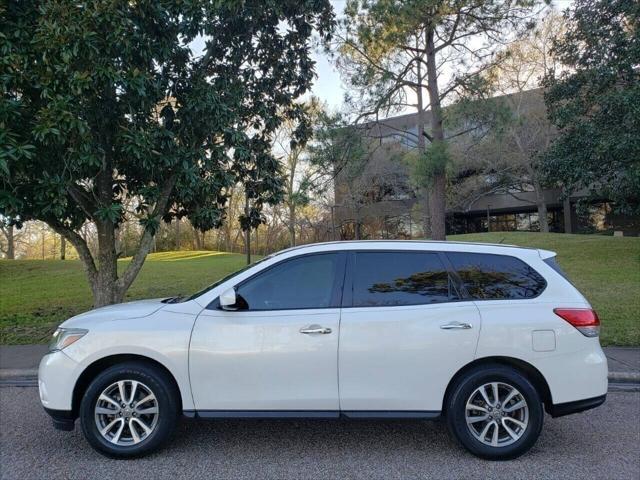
[
  {"x": 529, "y": 371},
  {"x": 92, "y": 370}
]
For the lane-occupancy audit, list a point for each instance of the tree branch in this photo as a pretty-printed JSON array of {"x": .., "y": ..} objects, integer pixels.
[
  {"x": 81, "y": 247},
  {"x": 83, "y": 201},
  {"x": 129, "y": 275}
]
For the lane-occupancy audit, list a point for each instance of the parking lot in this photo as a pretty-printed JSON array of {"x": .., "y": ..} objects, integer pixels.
[{"x": 602, "y": 443}]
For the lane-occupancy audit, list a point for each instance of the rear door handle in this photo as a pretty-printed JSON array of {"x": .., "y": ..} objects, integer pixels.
[
  {"x": 456, "y": 326},
  {"x": 315, "y": 329}
]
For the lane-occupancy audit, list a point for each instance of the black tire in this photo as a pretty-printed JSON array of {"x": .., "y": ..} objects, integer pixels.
[
  {"x": 456, "y": 409},
  {"x": 154, "y": 379}
]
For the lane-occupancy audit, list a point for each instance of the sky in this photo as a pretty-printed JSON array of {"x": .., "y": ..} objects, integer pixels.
[{"x": 328, "y": 86}]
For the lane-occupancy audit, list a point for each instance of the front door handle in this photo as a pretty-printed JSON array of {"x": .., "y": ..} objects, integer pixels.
[
  {"x": 315, "y": 329},
  {"x": 456, "y": 326}
]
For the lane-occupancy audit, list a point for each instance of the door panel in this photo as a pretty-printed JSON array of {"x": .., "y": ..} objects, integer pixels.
[
  {"x": 395, "y": 354},
  {"x": 399, "y": 358},
  {"x": 279, "y": 350},
  {"x": 261, "y": 361}
]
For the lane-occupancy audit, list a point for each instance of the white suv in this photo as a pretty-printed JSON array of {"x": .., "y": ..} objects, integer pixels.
[{"x": 490, "y": 336}]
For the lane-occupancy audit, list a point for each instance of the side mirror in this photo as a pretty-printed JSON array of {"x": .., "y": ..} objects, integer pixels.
[{"x": 228, "y": 299}]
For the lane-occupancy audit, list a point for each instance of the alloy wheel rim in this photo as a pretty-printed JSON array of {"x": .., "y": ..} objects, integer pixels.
[
  {"x": 126, "y": 412},
  {"x": 497, "y": 414}
]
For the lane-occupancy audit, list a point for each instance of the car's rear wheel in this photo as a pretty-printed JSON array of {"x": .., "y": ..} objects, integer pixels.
[
  {"x": 495, "y": 412},
  {"x": 129, "y": 410}
]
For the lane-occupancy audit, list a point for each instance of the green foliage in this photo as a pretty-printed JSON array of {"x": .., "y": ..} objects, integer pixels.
[
  {"x": 434, "y": 161},
  {"x": 595, "y": 104},
  {"x": 384, "y": 48},
  {"x": 337, "y": 146},
  {"x": 105, "y": 101},
  {"x": 475, "y": 116}
]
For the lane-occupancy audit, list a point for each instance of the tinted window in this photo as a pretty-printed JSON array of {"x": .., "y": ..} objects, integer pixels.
[
  {"x": 400, "y": 278},
  {"x": 304, "y": 282},
  {"x": 489, "y": 276}
]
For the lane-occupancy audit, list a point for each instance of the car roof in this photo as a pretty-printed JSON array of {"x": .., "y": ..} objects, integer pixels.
[{"x": 402, "y": 244}]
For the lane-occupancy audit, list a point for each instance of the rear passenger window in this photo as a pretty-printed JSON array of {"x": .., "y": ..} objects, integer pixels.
[
  {"x": 487, "y": 276},
  {"x": 400, "y": 278}
]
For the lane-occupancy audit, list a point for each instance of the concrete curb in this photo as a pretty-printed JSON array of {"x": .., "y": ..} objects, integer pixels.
[
  {"x": 624, "y": 377},
  {"x": 18, "y": 374}
]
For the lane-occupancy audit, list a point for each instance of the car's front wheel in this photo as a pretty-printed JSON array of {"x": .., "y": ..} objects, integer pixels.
[
  {"x": 495, "y": 412},
  {"x": 129, "y": 410}
]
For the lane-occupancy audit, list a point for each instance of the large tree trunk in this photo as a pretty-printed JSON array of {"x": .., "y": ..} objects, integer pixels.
[
  {"x": 105, "y": 291},
  {"x": 542, "y": 207},
  {"x": 423, "y": 192},
  {"x": 542, "y": 217},
  {"x": 11, "y": 242},
  {"x": 63, "y": 247},
  {"x": 437, "y": 207},
  {"x": 198, "y": 239},
  {"x": 437, "y": 193}
]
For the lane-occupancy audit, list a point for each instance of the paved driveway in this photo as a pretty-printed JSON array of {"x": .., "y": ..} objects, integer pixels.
[{"x": 602, "y": 444}]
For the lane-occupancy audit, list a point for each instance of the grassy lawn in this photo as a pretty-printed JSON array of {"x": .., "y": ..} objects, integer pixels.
[{"x": 37, "y": 295}]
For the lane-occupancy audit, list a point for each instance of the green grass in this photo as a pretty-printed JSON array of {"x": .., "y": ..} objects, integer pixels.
[{"x": 37, "y": 295}]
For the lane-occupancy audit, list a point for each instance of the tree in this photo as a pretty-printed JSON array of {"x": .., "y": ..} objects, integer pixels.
[
  {"x": 510, "y": 154},
  {"x": 595, "y": 103},
  {"x": 421, "y": 55},
  {"x": 340, "y": 150},
  {"x": 9, "y": 246},
  {"x": 305, "y": 176},
  {"x": 105, "y": 103}
]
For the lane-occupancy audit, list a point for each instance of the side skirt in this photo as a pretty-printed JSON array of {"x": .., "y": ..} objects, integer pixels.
[{"x": 281, "y": 414}]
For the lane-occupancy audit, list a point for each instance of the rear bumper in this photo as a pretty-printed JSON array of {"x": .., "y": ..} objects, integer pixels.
[
  {"x": 576, "y": 376},
  {"x": 62, "y": 419},
  {"x": 562, "y": 409}
]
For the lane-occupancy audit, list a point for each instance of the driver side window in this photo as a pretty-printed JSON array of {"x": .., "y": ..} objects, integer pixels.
[{"x": 304, "y": 282}]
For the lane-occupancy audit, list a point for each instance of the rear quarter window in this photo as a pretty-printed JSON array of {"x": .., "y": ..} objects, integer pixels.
[
  {"x": 496, "y": 277},
  {"x": 551, "y": 261}
]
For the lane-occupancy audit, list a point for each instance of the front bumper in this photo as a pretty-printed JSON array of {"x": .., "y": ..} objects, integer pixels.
[
  {"x": 562, "y": 409},
  {"x": 57, "y": 377}
]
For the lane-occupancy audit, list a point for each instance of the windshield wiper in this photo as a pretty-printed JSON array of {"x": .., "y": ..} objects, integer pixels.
[{"x": 176, "y": 299}]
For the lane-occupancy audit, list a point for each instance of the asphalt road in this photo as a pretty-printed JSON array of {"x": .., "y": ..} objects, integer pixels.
[{"x": 602, "y": 444}]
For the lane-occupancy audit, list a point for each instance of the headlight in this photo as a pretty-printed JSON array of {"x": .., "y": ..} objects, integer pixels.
[{"x": 63, "y": 337}]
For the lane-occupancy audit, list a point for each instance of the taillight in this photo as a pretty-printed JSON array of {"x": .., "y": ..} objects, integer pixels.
[{"x": 584, "y": 319}]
